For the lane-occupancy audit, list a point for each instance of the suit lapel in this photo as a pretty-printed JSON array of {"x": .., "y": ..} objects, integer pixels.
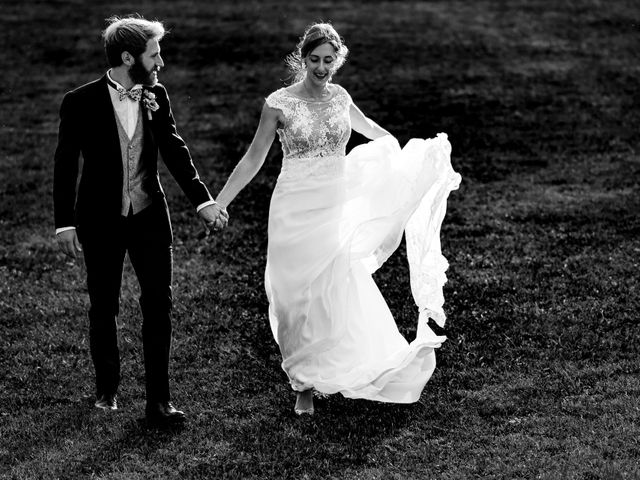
[
  {"x": 147, "y": 129},
  {"x": 106, "y": 119}
]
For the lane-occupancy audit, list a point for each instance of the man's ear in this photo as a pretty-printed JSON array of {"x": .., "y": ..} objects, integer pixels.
[{"x": 127, "y": 58}]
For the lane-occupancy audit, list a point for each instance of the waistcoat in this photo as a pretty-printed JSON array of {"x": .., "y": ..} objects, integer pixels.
[{"x": 134, "y": 197}]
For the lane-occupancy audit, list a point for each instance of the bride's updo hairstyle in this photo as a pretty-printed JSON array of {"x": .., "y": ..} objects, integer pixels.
[{"x": 314, "y": 36}]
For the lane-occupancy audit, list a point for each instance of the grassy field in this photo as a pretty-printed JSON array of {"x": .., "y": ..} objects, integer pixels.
[{"x": 540, "y": 376}]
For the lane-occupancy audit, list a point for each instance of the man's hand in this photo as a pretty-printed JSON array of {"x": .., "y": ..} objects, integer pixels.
[
  {"x": 215, "y": 217},
  {"x": 69, "y": 243}
]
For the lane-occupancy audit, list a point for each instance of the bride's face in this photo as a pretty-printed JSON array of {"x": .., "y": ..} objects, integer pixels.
[{"x": 321, "y": 64}]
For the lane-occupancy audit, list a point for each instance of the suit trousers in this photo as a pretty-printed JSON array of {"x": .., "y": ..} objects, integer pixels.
[{"x": 146, "y": 237}]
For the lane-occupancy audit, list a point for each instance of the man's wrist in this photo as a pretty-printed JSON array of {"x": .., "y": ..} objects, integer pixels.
[{"x": 204, "y": 205}]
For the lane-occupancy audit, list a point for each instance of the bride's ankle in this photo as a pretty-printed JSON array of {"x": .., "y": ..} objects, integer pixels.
[
  {"x": 304, "y": 402},
  {"x": 306, "y": 396}
]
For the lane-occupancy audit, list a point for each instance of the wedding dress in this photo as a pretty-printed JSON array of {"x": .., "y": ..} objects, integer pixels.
[{"x": 334, "y": 219}]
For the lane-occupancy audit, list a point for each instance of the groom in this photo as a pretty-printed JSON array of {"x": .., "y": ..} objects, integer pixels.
[{"x": 111, "y": 203}]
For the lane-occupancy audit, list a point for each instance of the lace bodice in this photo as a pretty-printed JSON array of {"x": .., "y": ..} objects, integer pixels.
[{"x": 314, "y": 135}]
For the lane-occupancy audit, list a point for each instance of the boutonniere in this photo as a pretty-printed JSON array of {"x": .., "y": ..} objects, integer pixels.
[{"x": 149, "y": 102}]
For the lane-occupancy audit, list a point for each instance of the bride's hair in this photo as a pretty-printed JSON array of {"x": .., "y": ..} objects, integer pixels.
[{"x": 314, "y": 36}]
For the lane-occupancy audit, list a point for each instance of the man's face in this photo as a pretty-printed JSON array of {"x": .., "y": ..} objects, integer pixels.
[{"x": 146, "y": 66}]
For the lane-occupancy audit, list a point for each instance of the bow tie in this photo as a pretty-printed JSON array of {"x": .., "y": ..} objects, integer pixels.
[{"x": 134, "y": 94}]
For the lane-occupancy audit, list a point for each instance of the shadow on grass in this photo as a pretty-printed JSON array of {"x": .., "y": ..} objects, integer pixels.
[
  {"x": 342, "y": 435},
  {"x": 75, "y": 439}
]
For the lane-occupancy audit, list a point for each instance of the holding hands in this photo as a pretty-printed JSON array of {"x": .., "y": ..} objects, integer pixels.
[{"x": 215, "y": 217}]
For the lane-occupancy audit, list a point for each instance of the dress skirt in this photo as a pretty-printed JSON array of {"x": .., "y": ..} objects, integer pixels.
[{"x": 327, "y": 234}]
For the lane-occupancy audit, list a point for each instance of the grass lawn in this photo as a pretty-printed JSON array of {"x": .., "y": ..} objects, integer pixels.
[{"x": 540, "y": 375}]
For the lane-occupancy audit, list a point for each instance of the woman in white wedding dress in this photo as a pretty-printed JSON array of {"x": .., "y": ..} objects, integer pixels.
[{"x": 333, "y": 220}]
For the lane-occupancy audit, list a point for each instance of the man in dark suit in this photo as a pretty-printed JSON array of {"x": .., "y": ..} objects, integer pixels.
[{"x": 112, "y": 202}]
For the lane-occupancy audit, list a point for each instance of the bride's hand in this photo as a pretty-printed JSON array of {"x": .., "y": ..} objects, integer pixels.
[
  {"x": 223, "y": 215},
  {"x": 215, "y": 217},
  {"x": 221, "y": 220}
]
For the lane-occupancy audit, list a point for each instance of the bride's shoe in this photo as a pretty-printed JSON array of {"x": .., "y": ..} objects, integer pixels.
[{"x": 304, "y": 403}]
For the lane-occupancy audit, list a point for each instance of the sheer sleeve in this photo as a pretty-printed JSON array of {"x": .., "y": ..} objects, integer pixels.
[{"x": 279, "y": 101}]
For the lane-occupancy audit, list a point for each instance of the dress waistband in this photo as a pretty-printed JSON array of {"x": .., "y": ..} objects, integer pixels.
[{"x": 303, "y": 167}]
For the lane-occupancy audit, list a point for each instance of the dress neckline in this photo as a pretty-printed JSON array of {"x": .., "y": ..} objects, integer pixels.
[{"x": 337, "y": 92}]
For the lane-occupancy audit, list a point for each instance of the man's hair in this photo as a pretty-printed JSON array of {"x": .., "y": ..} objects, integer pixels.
[{"x": 129, "y": 34}]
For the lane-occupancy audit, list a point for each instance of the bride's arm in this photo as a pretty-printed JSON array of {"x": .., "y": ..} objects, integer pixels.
[
  {"x": 365, "y": 126},
  {"x": 251, "y": 162}
]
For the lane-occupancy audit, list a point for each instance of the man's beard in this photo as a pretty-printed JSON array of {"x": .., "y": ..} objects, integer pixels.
[{"x": 141, "y": 75}]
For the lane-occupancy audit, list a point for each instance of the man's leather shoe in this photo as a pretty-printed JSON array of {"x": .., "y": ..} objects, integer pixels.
[
  {"x": 107, "y": 402},
  {"x": 163, "y": 413}
]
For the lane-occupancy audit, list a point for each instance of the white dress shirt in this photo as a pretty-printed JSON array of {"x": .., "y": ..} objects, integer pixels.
[{"x": 126, "y": 109}]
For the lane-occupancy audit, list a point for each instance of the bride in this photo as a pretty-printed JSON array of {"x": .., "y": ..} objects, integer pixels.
[{"x": 333, "y": 220}]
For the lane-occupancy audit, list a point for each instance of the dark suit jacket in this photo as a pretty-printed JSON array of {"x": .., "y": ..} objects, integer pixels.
[{"x": 88, "y": 127}]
